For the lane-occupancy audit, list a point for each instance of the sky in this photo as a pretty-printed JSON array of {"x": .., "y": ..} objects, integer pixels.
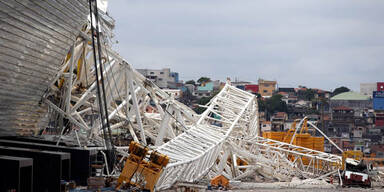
[{"x": 315, "y": 43}]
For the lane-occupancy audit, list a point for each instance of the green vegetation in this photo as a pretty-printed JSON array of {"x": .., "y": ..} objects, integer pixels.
[
  {"x": 272, "y": 104},
  {"x": 307, "y": 95},
  {"x": 339, "y": 90},
  {"x": 192, "y": 82},
  {"x": 204, "y": 80}
]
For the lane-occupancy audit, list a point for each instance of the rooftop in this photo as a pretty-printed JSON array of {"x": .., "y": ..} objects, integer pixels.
[{"x": 350, "y": 96}]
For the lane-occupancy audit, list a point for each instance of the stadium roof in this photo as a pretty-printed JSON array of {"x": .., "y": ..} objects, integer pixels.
[{"x": 350, "y": 96}]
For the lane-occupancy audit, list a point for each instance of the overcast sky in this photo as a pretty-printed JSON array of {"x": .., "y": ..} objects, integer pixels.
[{"x": 315, "y": 43}]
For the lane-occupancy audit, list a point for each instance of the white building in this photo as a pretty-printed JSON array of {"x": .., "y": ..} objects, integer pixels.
[
  {"x": 368, "y": 88},
  {"x": 266, "y": 126},
  {"x": 161, "y": 77}
]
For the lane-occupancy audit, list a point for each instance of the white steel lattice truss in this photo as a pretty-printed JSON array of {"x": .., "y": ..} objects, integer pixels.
[
  {"x": 282, "y": 161},
  {"x": 198, "y": 146},
  {"x": 128, "y": 95},
  {"x": 194, "y": 152}
]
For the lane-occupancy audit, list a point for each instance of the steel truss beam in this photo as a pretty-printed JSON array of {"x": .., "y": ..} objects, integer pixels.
[{"x": 195, "y": 151}]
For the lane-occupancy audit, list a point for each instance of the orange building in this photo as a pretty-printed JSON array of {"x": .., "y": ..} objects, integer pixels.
[{"x": 266, "y": 88}]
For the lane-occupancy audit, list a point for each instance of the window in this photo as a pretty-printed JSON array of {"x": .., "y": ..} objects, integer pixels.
[
  {"x": 266, "y": 85},
  {"x": 152, "y": 72},
  {"x": 161, "y": 72},
  {"x": 160, "y": 79},
  {"x": 265, "y": 91}
]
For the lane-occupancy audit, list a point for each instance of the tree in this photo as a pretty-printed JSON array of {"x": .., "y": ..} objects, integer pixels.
[
  {"x": 192, "y": 82},
  {"x": 204, "y": 80},
  {"x": 309, "y": 94},
  {"x": 306, "y": 95},
  {"x": 272, "y": 105},
  {"x": 339, "y": 90},
  {"x": 275, "y": 104}
]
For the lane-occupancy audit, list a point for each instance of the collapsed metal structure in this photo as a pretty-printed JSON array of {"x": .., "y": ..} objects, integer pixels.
[{"x": 199, "y": 146}]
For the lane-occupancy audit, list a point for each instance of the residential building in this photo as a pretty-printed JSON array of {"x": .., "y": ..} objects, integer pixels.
[
  {"x": 368, "y": 88},
  {"x": 378, "y": 150},
  {"x": 240, "y": 83},
  {"x": 207, "y": 86},
  {"x": 342, "y": 114},
  {"x": 286, "y": 90},
  {"x": 278, "y": 121},
  {"x": 217, "y": 85},
  {"x": 190, "y": 87},
  {"x": 266, "y": 126},
  {"x": 342, "y": 121},
  {"x": 379, "y": 118},
  {"x": 266, "y": 88},
  {"x": 380, "y": 86},
  {"x": 161, "y": 77},
  {"x": 358, "y": 132},
  {"x": 204, "y": 90},
  {"x": 252, "y": 88},
  {"x": 319, "y": 93},
  {"x": 288, "y": 98}
]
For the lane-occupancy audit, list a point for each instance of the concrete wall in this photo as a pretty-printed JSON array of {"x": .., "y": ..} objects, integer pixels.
[{"x": 368, "y": 88}]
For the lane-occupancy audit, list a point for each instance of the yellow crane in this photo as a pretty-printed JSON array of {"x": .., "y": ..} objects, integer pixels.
[{"x": 140, "y": 172}]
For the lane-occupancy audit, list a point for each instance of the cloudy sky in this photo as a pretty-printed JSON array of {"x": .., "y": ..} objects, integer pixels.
[{"x": 316, "y": 43}]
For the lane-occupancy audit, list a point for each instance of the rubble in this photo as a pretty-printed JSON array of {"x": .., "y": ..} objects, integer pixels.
[{"x": 296, "y": 183}]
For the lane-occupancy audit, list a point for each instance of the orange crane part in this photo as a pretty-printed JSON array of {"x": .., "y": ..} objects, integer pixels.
[
  {"x": 220, "y": 181},
  {"x": 140, "y": 172}
]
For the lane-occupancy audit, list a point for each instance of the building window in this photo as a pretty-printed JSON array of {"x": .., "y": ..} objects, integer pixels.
[
  {"x": 266, "y": 85},
  {"x": 152, "y": 72},
  {"x": 265, "y": 91},
  {"x": 160, "y": 79},
  {"x": 161, "y": 72}
]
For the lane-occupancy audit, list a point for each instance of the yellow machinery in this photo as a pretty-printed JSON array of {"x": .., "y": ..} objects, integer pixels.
[
  {"x": 140, "y": 172},
  {"x": 302, "y": 138}
]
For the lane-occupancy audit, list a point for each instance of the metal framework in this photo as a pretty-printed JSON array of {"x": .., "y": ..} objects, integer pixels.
[
  {"x": 193, "y": 153},
  {"x": 199, "y": 146},
  {"x": 286, "y": 160},
  {"x": 72, "y": 96}
]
